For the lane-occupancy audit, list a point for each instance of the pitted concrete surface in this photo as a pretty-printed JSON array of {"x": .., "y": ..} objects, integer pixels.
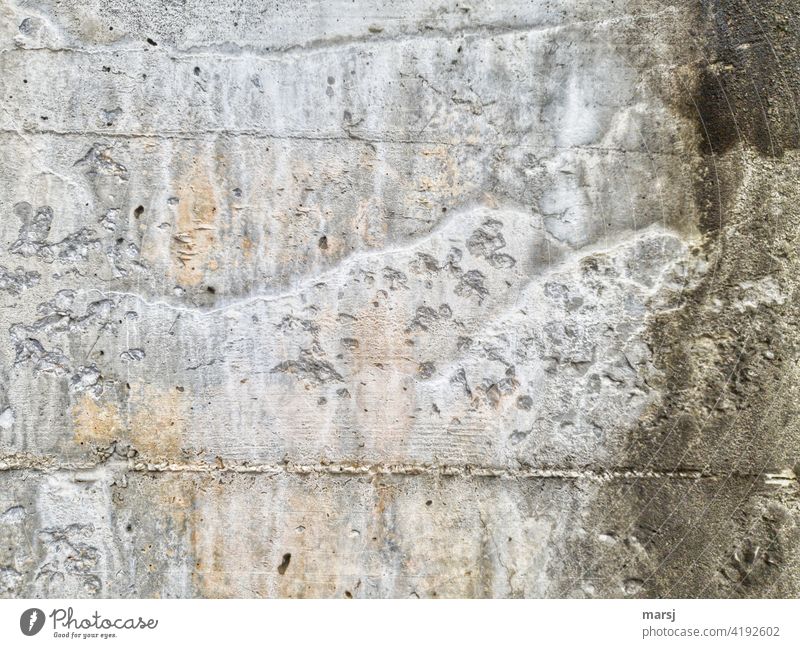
[{"x": 398, "y": 299}]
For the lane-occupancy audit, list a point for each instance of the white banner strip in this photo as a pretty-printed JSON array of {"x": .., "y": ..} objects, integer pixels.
[{"x": 394, "y": 623}]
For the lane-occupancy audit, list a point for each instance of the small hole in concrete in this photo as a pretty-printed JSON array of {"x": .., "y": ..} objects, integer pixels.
[
  {"x": 284, "y": 564},
  {"x": 323, "y": 243},
  {"x": 138, "y": 211}
]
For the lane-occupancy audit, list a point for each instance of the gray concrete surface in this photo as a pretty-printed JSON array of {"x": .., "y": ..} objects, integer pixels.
[{"x": 399, "y": 299}]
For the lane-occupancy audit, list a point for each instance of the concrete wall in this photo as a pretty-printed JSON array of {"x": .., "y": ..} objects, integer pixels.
[{"x": 391, "y": 299}]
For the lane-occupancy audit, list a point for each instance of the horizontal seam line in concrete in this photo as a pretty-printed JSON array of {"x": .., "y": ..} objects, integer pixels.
[
  {"x": 257, "y": 134},
  {"x": 243, "y": 132},
  {"x": 38, "y": 464}
]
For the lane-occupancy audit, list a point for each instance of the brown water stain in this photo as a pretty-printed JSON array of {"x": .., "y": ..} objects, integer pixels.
[
  {"x": 196, "y": 239},
  {"x": 382, "y": 381},
  {"x": 157, "y": 422},
  {"x": 96, "y": 423}
]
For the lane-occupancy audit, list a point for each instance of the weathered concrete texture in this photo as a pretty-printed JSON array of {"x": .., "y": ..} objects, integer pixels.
[{"x": 373, "y": 299}]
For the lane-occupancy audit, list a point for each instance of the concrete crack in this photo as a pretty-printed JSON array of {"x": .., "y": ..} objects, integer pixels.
[{"x": 775, "y": 477}]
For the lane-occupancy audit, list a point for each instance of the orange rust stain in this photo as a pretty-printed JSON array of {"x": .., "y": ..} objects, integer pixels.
[
  {"x": 95, "y": 423},
  {"x": 247, "y": 247},
  {"x": 196, "y": 237},
  {"x": 382, "y": 380},
  {"x": 157, "y": 422}
]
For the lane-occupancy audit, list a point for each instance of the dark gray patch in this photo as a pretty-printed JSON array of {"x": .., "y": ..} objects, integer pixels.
[{"x": 747, "y": 90}]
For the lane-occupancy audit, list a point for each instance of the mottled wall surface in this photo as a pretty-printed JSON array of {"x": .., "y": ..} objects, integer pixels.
[{"x": 391, "y": 299}]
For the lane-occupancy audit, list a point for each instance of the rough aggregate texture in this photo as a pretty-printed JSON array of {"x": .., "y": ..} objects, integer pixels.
[{"x": 399, "y": 299}]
